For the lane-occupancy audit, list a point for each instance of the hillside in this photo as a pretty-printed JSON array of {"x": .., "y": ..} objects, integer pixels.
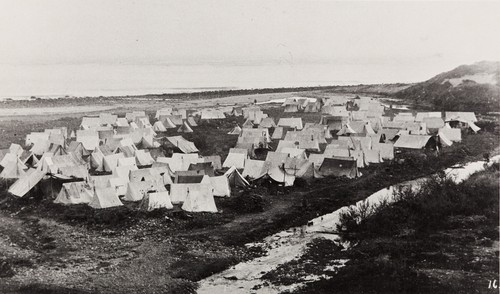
[{"x": 473, "y": 87}]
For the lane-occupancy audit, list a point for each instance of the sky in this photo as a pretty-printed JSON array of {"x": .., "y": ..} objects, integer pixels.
[{"x": 248, "y": 32}]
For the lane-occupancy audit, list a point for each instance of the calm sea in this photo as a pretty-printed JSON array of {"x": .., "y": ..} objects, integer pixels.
[{"x": 24, "y": 81}]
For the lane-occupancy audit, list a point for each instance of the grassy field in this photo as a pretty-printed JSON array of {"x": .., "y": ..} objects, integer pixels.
[{"x": 53, "y": 248}]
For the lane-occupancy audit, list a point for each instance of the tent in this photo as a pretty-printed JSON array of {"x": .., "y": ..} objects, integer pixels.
[
  {"x": 163, "y": 111},
  {"x": 105, "y": 198},
  {"x": 159, "y": 127},
  {"x": 189, "y": 177},
  {"x": 13, "y": 169},
  {"x": 253, "y": 169},
  {"x": 386, "y": 150},
  {"x": 179, "y": 192},
  {"x": 185, "y": 128},
  {"x": 142, "y": 175},
  {"x": 295, "y": 152},
  {"x": 220, "y": 186},
  {"x": 206, "y": 167},
  {"x": 212, "y": 114},
  {"x": 300, "y": 168},
  {"x": 123, "y": 171},
  {"x": 191, "y": 121},
  {"x": 292, "y": 108},
  {"x": 333, "y": 150},
  {"x": 200, "y": 199},
  {"x": 235, "y": 131},
  {"x": 111, "y": 161},
  {"x": 279, "y": 175},
  {"x": 278, "y": 133},
  {"x": 127, "y": 161},
  {"x": 414, "y": 142},
  {"x": 168, "y": 123},
  {"x": 214, "y": 160},
  {"x": 235, "y": 178},
  {"x": 121, "y": 122},
  {"x": 143, "y": 158},
  {"x": 75, "y": 193},
  {"x": 247, "y": 124},
  {"x": 339, "y": 166},
  {"x": 119, "y": 184},
  {"x": 156, "y": 200},
  {"x": 455, "y": 135},
  {"x": 182, "y": 144},
  {"x": 137, "y": 190},
  {"x": 267, "y": 122},
  {"x": 373, "y": 156},
  {"x": 235, "y": 159},
  {"x": 291, "y": 122}
]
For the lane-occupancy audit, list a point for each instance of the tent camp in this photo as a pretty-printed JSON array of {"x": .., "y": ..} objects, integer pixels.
[
  {"x": 105, "y": 198},
  {"x": 75, "y": 193}
]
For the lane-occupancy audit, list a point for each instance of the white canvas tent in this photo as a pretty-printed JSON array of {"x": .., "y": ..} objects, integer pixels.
[
  {"x": 75, "y": 193},
  {"x": 105, "y": 198},
  {"x": 200, "y": 199},
  {"x": 156, "y": 200}
]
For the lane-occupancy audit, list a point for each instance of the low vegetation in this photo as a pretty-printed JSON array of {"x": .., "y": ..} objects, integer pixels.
[{"x": 441, "y": 239}]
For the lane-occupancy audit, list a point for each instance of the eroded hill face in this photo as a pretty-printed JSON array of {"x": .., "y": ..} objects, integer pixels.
[{"x": 473, "y": 87}]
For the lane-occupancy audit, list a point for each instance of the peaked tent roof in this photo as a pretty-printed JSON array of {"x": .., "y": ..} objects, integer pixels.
[
  {"x": 235, "y": 131},
  {"x": 235, "y": 159},
  {"x": 412, "y": 141},
  {"x": 185, "y": 128},
  {"x": 105, "y": 198},
  {"x": 235, "y": 178},
  {"x": 24, "y": 184},
  {"x": 75, "y": 193},
  {"x": 183, "y": 144}
]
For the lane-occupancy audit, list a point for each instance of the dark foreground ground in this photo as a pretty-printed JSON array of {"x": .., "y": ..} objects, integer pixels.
[{"x": 47, "y": 248}]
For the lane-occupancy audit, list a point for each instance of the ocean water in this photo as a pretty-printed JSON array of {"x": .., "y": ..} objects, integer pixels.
[{"x": 79, "y": 80}]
